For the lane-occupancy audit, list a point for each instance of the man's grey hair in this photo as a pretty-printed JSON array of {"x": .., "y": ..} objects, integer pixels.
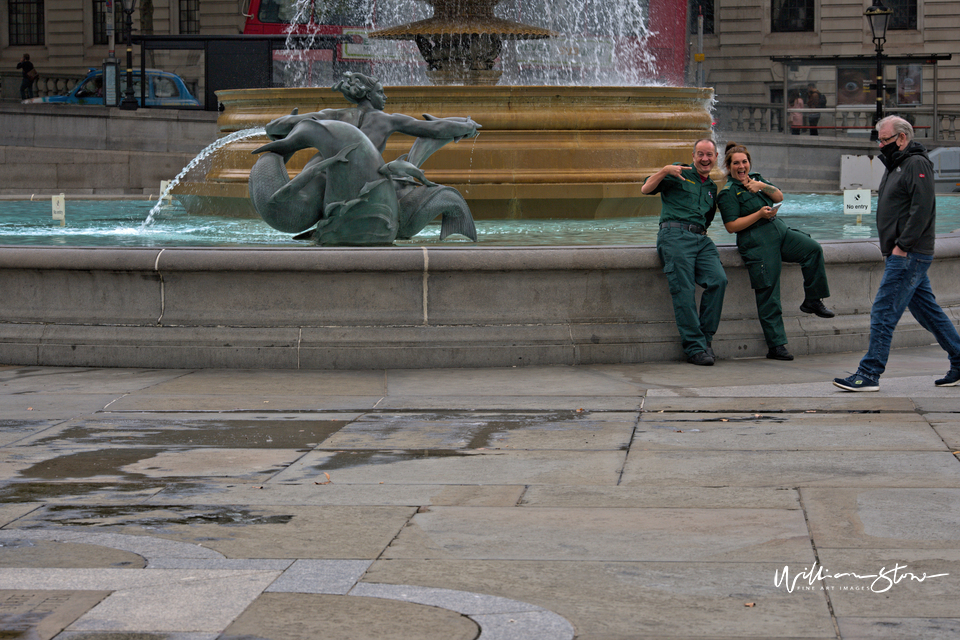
[{"x": 899, "y": 126}]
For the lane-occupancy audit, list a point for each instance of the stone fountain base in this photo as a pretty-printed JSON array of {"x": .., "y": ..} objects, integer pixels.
[
  {"x": 406, "y": 307},
  {"x": 543, "y": 152}
]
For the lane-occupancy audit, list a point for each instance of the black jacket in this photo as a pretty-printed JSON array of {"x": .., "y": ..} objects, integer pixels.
[{"x": 906, "y": 203}]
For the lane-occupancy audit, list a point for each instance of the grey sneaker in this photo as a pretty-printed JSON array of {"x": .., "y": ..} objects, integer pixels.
[
  {"x": 949, "y": 380},
  {"x": 856, "y": 382}
]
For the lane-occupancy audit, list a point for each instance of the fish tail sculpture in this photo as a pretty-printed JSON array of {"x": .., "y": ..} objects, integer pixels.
[{"x": 349, "y": 210}]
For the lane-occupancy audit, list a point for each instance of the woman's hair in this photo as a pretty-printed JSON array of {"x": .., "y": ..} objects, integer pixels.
[
  {"x": 732, "y": 148},
  {"x": 356, "y": 86}
]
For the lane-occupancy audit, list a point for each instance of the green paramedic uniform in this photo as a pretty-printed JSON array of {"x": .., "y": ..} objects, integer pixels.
[
  {"x": 690, "y": 258},
  {"x": 765, "y": 246}
]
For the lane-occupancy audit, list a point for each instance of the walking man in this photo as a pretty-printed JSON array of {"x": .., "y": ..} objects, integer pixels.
[
  {"x": 690, "y": 258},
  {"x": 906, "y": 213}
]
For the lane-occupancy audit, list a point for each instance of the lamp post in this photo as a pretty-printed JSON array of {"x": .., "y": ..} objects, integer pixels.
[
  {"x": 879, "y": 17},
  {"x": 129, "y": 102}
]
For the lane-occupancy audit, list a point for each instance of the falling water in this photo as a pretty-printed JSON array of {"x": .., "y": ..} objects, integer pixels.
[
  {"x": 600, "y": 42},
  {"x": 200, "y": 157}
]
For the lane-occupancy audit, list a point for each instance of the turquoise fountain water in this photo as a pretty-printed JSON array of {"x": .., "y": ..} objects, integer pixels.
[{"x": 121, "y": 224}]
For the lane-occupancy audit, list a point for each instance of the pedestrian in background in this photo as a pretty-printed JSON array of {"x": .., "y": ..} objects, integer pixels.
[
  {"x": 906, "y": 217},
  {"x": 29, "y": 77}
]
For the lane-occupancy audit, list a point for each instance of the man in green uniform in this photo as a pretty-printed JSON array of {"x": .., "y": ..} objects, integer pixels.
[{"x": 690, "y": 258}]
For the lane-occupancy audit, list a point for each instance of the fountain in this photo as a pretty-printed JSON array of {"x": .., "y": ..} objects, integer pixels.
[{"x": 543, "y": 152}]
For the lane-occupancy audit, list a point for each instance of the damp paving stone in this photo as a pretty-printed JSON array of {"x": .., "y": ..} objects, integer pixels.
[
  {"x": 475, "y": 430},
  {"x": 14, "y": 430},
  {"x": 634, "y": 599},
  {"x": 45, "y": 554},
  {"x": 89, "y": 464},
  {"x": 333, "y": 532},
  {"x": 786, "y": 431},
  {"x": 72, "y": 492},
  {"x": 288, "y": 616},
  {"x": 41, "y": 615},
  {"x": 179, "y": 432}
]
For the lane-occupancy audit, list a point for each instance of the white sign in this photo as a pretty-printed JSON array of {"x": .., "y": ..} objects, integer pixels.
[
  {"x": 856, "y": 202},
  {"x": 59, "y": 210}
]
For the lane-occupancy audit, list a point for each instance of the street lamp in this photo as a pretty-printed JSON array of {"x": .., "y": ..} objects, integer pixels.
[
  {"x": 879, "y": 17},
  {"x": 129, "y": 102}
]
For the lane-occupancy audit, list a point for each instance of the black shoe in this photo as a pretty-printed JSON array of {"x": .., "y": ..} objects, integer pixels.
[
  {"x": 701, "y": 358},
  {"x": 710, "y": 351},
  {"x": 813, "y": 305},
  {"x": 779, "y": 352},
  {"x": 949, "y": 380}
]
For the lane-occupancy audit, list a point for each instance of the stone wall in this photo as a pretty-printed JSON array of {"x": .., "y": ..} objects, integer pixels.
[
  {"x": 405, "y": 307},
  {"x": 54, "y": 148}
]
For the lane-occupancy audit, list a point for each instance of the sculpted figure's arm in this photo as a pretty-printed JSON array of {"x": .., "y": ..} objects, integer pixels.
[
  {"x": 282, "y": 126},
  {"x": 654, "y": 181},
  {"x": 432, "y": 128}
]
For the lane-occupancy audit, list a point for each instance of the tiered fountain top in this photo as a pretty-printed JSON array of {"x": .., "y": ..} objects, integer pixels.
[{"x": 462, "y": 40}]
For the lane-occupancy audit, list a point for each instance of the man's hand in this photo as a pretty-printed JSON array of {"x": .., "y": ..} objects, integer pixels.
[
  {"x": 672, "y": 170},
  {"x": 897, "y": 251}
]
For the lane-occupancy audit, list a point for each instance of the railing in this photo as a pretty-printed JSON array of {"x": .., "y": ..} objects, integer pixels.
[{"x": 836, "y": 121}]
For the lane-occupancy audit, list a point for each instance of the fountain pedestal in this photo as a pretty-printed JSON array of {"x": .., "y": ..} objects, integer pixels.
[{"x": 543, "y": 151}]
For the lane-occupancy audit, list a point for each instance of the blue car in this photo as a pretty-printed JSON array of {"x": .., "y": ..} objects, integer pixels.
[{"x": 163, "y": 90}]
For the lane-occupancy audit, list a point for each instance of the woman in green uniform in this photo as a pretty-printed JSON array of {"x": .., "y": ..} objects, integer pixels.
[{"x": 765, "y": 243}]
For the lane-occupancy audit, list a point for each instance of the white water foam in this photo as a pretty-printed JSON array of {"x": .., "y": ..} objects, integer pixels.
[{"x": 200, "y": 157}]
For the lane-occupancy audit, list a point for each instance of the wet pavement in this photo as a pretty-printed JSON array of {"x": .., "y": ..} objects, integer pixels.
[{"x": 751, "y": 499}]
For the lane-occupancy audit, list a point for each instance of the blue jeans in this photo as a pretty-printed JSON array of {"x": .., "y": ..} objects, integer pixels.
[{"x": 905, "y": 285}]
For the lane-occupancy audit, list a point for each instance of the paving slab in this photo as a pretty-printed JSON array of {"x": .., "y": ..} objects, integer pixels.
[
  {"x": 512, "y": 402},
  {"x": 890, "y": 387},
  {"x": 32, "y": 491},
  {"x": 533, "y": 503},
  {"x": 151, "y": 600},
  {"x": 584, "y": 430},
  {"x": 11, "y": 512},
  {"x": 53, "y": 406},
  {"x": 786, "y": 431},
  {"x": 333, "y": 493},
  {"x": 663, "y": 599},
  {"x": 33, "y": 553},
  {"x": 81, "y": 380},
  {"x": 242, "y": 402},
  {"x": 41, "y": 615},
  {"x": 556, "y": 381},
  {"x": 884, "y": 517},
  {"x": 856, "y": 628},
  {"x": 312, "y": 616},
  {"x": 793, "y": 468},
  {"x": 895, "y": 583},
  {"x": 334, "y": 532},
  {"x": 12, "y": 431},
  {"x": 638, "y": 496},
  {"x": 543, "y": 533},
  {"x": 266, "y": 383},
  {"x": 849, "y": 402},
  {"x": 441, "y": 466},
  {"x": 947, "y": 404}
]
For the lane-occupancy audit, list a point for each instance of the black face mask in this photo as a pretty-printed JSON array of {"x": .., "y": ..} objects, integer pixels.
[{"x": 889, "y": 149}]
